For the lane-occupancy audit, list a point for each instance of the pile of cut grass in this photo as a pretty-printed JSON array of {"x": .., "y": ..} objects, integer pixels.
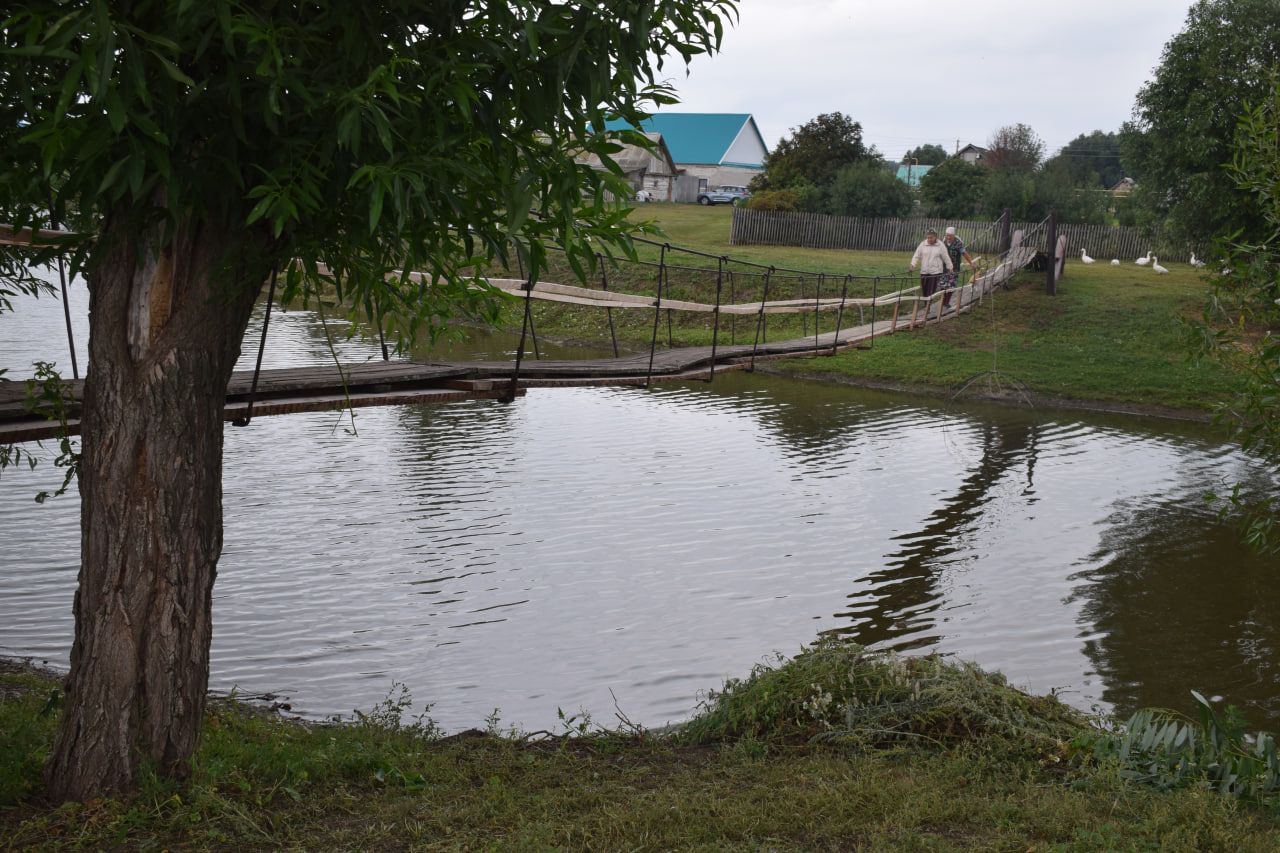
[{"x": 837, "y": 693}]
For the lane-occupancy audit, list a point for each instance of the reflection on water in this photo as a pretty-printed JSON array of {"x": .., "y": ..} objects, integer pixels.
[{"x": 584, "y": 544}]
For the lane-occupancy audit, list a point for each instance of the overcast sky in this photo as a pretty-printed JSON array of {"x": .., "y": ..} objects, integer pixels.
[{"x": 936, "y": 72}]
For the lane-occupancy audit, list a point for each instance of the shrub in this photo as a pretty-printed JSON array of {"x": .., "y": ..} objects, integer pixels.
[
  {"x": 863, "y": 189},
  {"x": 775, "y": 200}
]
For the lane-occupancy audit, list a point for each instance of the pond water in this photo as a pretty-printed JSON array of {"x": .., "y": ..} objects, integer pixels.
[{"x": 582, "y": 547}]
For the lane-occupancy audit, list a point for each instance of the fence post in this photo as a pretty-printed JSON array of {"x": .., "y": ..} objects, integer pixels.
[{"x": 1006, "y": 235}]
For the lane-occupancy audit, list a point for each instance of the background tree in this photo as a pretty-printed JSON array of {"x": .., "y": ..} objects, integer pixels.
[
  {"x": 926, "y": 155},
  {"x": 865, "y": 188},
  {"x": 1061, "y": 188},
  {"x": 1014, "y": 147},
  {"x": 200, "y": 146},
  {"x": 813, "y": 153},
  {"x": 1244, "y": 312},
  {"x": 1091, "y": 160},
  {"x": 1013, "y": 189},
  {"x": 1184, "y": 119},
  {"x": 954, "y": 189}
]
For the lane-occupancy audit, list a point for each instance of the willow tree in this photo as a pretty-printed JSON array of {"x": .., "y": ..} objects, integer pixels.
[{"x": 198, "y": 147}]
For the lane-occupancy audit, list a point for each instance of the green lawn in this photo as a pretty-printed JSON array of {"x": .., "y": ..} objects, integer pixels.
[
  {"x": 1113, "y": 334},
  {"x": 948, "y": 758}
]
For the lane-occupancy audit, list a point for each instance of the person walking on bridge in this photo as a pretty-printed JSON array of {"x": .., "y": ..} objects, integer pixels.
[
  {"x": 956, "y": 250},
  {"x": 934, "y": 260}
]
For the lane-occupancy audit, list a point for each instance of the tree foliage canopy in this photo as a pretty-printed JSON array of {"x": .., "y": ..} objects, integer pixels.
[
  {"x": 1247, "y": 302},
  {"x": 926, "y": 155},
  {"x": 953, "y": 189},
  {"x": 814, "y": 152},
  {"x": 864, "y": 188},
  {"x": 1184, "y": 119},
  {"x": 376, "y": 138},
  {"x": 1091, "y": 159},
  {"x": 1015, "y": 147}
]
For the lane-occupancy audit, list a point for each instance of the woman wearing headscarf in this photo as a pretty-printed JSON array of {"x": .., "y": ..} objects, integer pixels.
[{"x": 932, "y": 258}]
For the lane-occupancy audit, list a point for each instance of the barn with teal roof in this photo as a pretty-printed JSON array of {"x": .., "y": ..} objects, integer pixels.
[{"x": 718, "y": 148}]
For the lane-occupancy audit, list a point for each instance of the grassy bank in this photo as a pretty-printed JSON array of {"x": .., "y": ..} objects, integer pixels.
[
  {"x": 834, "y": 750},
  {"x": 1112, "y": 334}
]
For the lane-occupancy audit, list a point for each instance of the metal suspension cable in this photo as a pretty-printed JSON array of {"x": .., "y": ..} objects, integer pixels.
[
  {"x": 657, "y": 314},
  {"x": 66, "y": 304},
  {"x": 262, "y": 348},
  {"x": 510, "y": 396}
]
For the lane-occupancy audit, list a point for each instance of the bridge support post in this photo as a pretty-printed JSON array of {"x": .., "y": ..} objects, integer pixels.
[
  {"x": 715, "y": 327},
  {"x": 657, "y": 311},
  {"x": 875, "y": 298},
  {"x": 1051, "y": 249},
  {"x": 764, "y": 297},
  {"x": 817, "y": 299},
  {"x": 604, "y": 285},
  {"x": 844, "y": 292}
]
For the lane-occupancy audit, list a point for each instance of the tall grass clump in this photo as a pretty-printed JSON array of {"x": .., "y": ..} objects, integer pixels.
[{"x": 837, "y": 692}]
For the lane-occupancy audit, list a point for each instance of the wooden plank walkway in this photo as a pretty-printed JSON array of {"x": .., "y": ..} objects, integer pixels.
[{"x": 382, "y": 383}]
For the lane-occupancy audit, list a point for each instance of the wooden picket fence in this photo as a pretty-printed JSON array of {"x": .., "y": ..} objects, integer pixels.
[{"x": 820, "y": 231}]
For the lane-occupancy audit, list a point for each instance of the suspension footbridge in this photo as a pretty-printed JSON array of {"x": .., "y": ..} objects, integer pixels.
[{"x": 735, "y": 300}]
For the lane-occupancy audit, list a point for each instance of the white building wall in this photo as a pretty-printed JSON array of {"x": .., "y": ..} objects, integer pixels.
[
  {"x": 747, "y": 147},
  {"x": 718, "y": 176}
]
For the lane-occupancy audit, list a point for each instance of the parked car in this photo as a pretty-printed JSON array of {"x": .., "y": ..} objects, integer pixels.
[{"x": 724, "y": 195}]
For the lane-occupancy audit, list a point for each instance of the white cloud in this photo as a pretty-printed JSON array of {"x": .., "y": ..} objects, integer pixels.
[{"x": 933, "y": 71}]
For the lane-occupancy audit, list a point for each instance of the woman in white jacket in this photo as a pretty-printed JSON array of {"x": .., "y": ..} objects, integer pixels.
[{"x": 933, "y": 259}]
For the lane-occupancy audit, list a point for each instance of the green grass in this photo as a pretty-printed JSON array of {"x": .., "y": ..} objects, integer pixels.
[
  {"x": 1112, "y": 334},
  {"x": 916, "y": 756}
]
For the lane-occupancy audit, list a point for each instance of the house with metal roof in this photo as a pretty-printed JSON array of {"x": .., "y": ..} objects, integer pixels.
[
  {"x": 718, "y": 148},
  {"x": 650, "y": 168}
]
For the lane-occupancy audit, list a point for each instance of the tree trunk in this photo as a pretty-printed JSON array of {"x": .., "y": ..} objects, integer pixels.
[{"x": 165, "y": 332}]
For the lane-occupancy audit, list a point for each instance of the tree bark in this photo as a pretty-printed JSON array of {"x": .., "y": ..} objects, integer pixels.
[{"x": 165, "y": 331}]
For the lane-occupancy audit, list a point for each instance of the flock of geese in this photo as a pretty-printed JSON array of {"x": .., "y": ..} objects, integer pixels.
[{"x": 1151, "y": 259}]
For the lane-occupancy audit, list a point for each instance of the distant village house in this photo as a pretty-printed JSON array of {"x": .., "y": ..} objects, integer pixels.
[
  {"x": 911, "y": 173},
  {"x": 717, "y": 149},
  {"x": 1124, "y": 187},
  {"x": 973, "y": 154},
  {"x": 652, "y": 170}
]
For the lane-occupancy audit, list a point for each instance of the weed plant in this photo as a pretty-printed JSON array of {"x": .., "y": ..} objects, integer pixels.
[{"x": 1168, "y": 750}]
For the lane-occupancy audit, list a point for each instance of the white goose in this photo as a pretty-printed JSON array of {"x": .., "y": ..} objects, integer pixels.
[
  {"x": 1115, "y": 262},
  {"x": 1084, "y": 257},
  {"x": 1142, "y": 262},
  {"x": 1155, "y": 265},
  {"x": 1196, "y": 262}
]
